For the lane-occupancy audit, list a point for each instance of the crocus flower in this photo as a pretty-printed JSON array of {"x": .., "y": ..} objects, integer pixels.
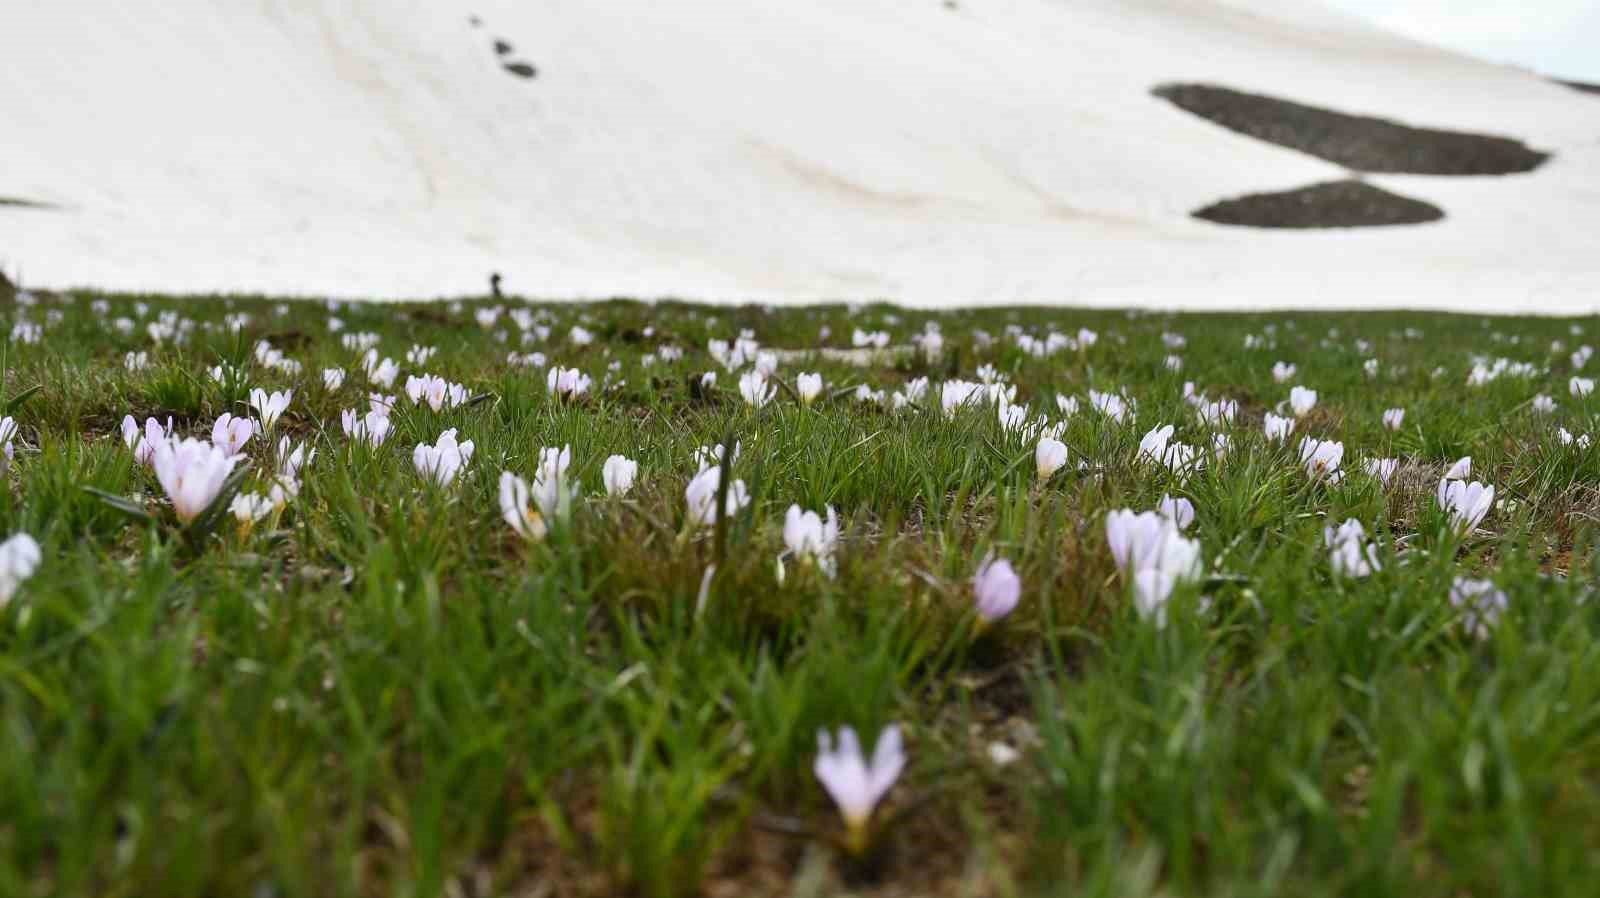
[
  {"x": 332, "y": 378},
  {"x": 1153, "y": 445},
  {"x": 1282, "y": 371},
  {"x": 1277, "y": 428},
  {"x": 811, "y": 538},
  {"x": 1543, "y": 404},
  {"x": 230, "y": 433},
  {"x": 292, "y": 458},
  {"x": 1460, "y": 470},
  {"x": 856, "y": 785},
  {"x": 1481, "y": 603},
  {"x": 1049, "y": 457},
  {"x": 700, "y": 497},
  {"x": 1111, "y": 405},
  {"x": 1466, "y": 503},
  {"x": 1067, "y": 405},
  {"x": 516, "y": 510},
  {"x": 144, "y": 444},
  {"x": 8, "y": 432},
  {"x": 618, "y": 475},
  {"x": 809, "y": 387},
  {"x": 1154, "y": 557},
  {"x": 249, "y": 508},
  {"x": 1381, "y": 468},
  {"x": 437, "y": 392},
  {"x": 19, "y": 558},
  {"x": 443, "y": 460},
  {"x": 995, "y": 589},
  {"x": 1179, "y": 511},
  {"x": 1580, "y": 386},
  {"x": 192, "y": 472},
  {"x": 1302, "y": 401},
  {"x": 566, "y": 383},
  {"x": 1321, "y": 458},
  {"x": 370, "y": 429},
  {"x": 1349, "y": 554},
  {"x": 1393, "y": 418},
  {"x": 754, "y": 388},
  {"x": 550, "y": 489},
  {"x": 1219, "y": 413},
  {"x": 269, "y": 406}
]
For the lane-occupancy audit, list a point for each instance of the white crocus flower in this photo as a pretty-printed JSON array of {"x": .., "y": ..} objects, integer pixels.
[
  {"x": 332, "y": 378},
  {"x": 269, "y": 406},
  {"x": 1277, "y": 428},
  {"x": 19, "y": 558},
  {"x": 1302, "y": 401},
  {"x": 809, "y": 387},
  {"x": 810, "y": 537},
  {"x": 1466, "y": 503},
  {"x": 1393, "y": 418},
  {"x": 1580, "y": 386},
  {"x": 856, "y": 785},
  {"x": 1282, "y": 371},
  {"x": 1321, "y": 458},
  {"x": 618, "y": 475},
  {"x": 1460, "y": 470},
  {"x": 371, "y": 428},
  {"x": 1543, "y": 404},
  {"x": 1179, "y": 511},
  {"x": 291, "y": 458},
  {"x": 1481, "y": 604},
  {"x": 1154, "y": 558},
  {"x": 516, "y": 509},
  {"x": 700, "y": 497},
  {"x": 8, "y": 432},
  {"x": 551, "y": 491},
  {"x": 754, "y": 388},
  {"x": 1381, "y": 468},
  {"x": 567, "y": 383},
  {"x": 1049, "y": 457},
  {"x": 1349, "y": 554},
  {"x": 144, "y": 443},
  {"x": 230, "y": 433},
  {"x": 250, "y": 508},
  {"x": 442, "y": 461},
  {"x": 192, "y": 472}
]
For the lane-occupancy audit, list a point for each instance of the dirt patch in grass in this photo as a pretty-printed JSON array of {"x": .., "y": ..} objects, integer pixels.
[
  {"x": 1362, "y": 143},
  {"x": 1332, "y": 204},
  {"x": 17, "y": 202}
]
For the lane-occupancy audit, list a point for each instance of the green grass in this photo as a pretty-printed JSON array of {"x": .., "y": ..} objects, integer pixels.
[{"x": 385, "y": 691}]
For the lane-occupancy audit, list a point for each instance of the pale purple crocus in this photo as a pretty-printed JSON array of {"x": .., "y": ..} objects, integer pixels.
[
  {"x": 996, "y": 588},
  {"x": 230, "y": 433},
  {"x": 1466, "y": 503},
  {"x": 192, "y": 472},
  {"x": 855, "y": 784},
  {"x": 442, "y": 461}
]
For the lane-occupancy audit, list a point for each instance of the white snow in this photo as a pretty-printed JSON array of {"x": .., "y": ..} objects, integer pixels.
[{"x": 1004, "y": 151}]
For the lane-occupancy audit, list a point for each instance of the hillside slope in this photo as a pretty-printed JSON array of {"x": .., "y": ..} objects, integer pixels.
[{"x": 996, "y": 151}]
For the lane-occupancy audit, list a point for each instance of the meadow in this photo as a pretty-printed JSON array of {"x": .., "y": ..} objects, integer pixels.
[{"x": 495, "y": 598}]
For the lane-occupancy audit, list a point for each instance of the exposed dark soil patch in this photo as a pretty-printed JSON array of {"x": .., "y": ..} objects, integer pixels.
[
  {"x": 1357, "y": 142},
  {"x": 17, "y": 202},
  {"x": 520, "y": 69},
  {"x": 1583, "y": 86},
  {"x": 1333, "y": 204}
]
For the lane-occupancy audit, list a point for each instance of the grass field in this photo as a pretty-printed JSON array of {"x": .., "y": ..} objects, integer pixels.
[{"x": 384, "y": 685}]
